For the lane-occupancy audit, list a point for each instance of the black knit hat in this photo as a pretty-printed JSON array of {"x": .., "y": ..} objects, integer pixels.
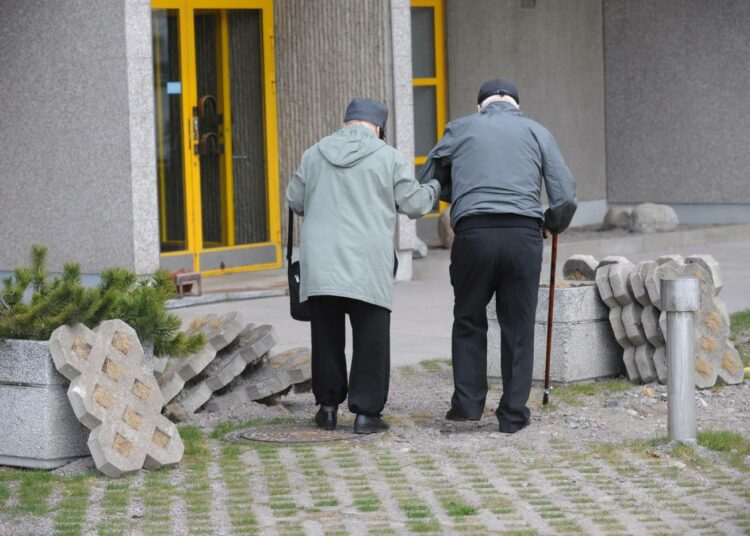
[
  {"x": 497, "y": 87},
  {"x": 369, "y": 110}
]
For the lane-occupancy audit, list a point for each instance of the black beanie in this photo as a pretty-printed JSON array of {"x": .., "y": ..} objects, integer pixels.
[
  {"x": 497, "y": 87},
  {"x": 369, "y": 110}
]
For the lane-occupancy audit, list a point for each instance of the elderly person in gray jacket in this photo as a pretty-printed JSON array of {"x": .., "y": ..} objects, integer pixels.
[
  {"x": 497, "y": 160},
  {"x": 349, "y": 188}
]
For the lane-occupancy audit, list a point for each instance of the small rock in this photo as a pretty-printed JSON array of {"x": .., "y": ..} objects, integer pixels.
[
  {"x": 612, "y": 403},
  {"x": 649, "y": 392},
  {"x": 632, "y": 412},
  {"x": 702, "y": 403}
]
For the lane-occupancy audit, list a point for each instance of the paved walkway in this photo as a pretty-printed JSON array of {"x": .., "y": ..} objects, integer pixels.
[{"x": 422, "y": 313}]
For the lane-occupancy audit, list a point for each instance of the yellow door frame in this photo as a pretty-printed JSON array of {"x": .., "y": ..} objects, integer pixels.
[
  {"x": 438, "y": 81},
  {"x": 194, "y": 223}
]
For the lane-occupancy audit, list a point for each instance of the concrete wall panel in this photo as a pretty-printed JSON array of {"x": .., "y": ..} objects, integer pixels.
[
  {"x": 65, "y": 133},
  {"x": 327, "y": 52},
  {"x": 678, "y": 113},
  {"x": 553, "y": 52}
]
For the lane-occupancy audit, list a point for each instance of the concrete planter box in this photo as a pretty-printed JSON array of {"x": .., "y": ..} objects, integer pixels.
[
  {"x": 37, "y": 425},
  {"x": 583, "y": 345}
]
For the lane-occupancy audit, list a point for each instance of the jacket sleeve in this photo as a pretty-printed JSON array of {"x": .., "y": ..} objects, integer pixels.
[
  {"x": 295, "y": 191},
  {"x": 412, "y": 199},
  {"x": 559, "y": 183},
  {"x": 438, "y": 163}
]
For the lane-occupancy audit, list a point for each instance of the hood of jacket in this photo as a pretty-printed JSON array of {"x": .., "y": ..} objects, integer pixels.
[{"x": 349, "y": 145}]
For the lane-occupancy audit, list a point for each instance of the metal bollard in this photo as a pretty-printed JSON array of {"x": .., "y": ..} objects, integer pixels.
[{"x": 680, "y": 297}]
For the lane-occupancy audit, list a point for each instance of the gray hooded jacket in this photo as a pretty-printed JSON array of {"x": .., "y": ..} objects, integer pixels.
[
  {"x": 497, "y": 159},
  {"x": 349, "y": 188}
]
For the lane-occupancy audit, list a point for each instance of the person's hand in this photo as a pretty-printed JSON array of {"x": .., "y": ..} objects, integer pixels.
[{"x": 442, "y": 172}]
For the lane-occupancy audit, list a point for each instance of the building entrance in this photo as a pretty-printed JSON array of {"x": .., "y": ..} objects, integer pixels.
[{"x": 216, "y": 142}]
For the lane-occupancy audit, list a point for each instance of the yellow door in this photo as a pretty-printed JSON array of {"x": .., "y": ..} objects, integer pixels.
[{"x": 216, "y": 138}]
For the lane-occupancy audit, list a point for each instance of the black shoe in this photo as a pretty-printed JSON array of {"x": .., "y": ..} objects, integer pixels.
[
  {"x": 508, "y": 428},
  {"x": 366, "y": 424},
  {"x": 326, "y": 418},
  {"x": 454, "y": 415}
]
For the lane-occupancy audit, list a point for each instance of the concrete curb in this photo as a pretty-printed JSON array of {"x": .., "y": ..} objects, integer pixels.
[{"x": 190, "y": 301}]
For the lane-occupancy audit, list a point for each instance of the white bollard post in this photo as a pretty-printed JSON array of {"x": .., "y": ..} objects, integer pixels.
[{"x": 680, "y": 298}]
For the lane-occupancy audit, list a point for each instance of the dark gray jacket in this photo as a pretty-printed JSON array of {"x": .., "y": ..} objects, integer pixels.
[{"x": 497, "y": 159}]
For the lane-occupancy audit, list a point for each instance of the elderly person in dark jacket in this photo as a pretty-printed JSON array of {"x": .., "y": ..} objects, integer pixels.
[{"x": 493, "y": 164}]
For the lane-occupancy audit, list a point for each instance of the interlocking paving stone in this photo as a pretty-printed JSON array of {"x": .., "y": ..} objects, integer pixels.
[
  {"x": 715, "y": 357},
  {"x": 219, "y": 331},
  {"x": 711, "y": 266},
  {"x": 276, "y": 376},
  {"x": 113, "y": 397},
  {"x": 580, "y": 268},
  {"x": 248, "y": 349}
]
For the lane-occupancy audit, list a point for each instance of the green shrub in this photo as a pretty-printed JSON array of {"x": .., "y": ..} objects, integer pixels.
[{"x": 64, "y": 300}]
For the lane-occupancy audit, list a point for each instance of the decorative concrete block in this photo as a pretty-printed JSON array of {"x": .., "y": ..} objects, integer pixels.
[
  {"x": 660, "y": 363},
  {"x": 583, "y": 346},
  {"x": 113, "y": 397},
  {"x": 580, "y": 268},
  {"x": 715, "y": 357},
  {"x": 277, "y": 375},
  {"x": 631, "y": 367},
  {"x": 618, "y": 328},
  {"x": 651, "y": 328},
  {"x": 251, "y": 345},
  {"x": 605, "y": 289},
  {"x": 219, "y": 331},
  {"x": 38, "y": 427},
  {"x": 711, "y": 266},
  {"x": 613, "y": 259},
  {"x": 664, "y": 259},
  {"x": 637, "y": 283},
  {"x": 644, "y": 361},
  {"x": 631, "y": 320},
  {"x": 619, "y": 274}
]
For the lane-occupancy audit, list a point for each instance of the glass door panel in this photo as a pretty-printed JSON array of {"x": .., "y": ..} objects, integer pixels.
[
  {"x": 169, "y": 150},
  {"x": 216, "y": 131}
]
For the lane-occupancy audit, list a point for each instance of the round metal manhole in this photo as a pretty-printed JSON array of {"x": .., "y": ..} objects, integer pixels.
[{"x": 297, "y": 433}]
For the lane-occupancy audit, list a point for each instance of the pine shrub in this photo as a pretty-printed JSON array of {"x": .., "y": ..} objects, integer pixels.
[{"x": 32, "y": 305}]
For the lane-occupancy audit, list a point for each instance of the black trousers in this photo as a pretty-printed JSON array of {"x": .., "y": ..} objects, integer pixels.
[
  {"x": 505, "y": 261},
  {"x": 371, "y": 357}
]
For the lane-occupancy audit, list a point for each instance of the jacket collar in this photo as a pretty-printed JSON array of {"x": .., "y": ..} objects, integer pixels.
[{"x": 500, "y": 106}]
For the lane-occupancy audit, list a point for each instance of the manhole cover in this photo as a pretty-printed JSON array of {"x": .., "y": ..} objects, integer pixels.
[{"x": 297, "y": 433}]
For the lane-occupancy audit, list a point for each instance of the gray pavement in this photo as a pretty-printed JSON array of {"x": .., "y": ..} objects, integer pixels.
[{"x": 422, "y": 313}]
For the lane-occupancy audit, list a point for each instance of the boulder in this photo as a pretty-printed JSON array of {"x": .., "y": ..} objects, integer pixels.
[
  {"x": 618, "y": 218},
  {"x": 653, "y": 218}
]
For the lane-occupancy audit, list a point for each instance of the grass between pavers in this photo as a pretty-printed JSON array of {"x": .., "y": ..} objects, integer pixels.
[
  {"x": 740, "y": 327},
  {"x": 574, "y": 394},
  {"x": 734, "y": 447}
]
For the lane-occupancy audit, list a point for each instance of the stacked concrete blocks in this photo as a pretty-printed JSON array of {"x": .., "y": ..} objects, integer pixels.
[
  {"x": 277, "y": 376},
  {"x": 250, "y": 347},
  {"x": 219, "y": 331},
  {"x": 39, "y": 428},
  {"x": 716, "y": 358},
  {"x": 633, "y": 295},
  {"x": 583, "y": 347},
  {"x": 113, "y": 397}
]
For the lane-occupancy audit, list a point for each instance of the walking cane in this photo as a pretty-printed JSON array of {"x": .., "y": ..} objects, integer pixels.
[{"x": 550, "y": 315}]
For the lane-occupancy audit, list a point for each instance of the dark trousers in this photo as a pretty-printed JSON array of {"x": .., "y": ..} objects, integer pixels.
[
  {"x": 505, "y": 261},
  {"x": 371, "y": 357}
]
